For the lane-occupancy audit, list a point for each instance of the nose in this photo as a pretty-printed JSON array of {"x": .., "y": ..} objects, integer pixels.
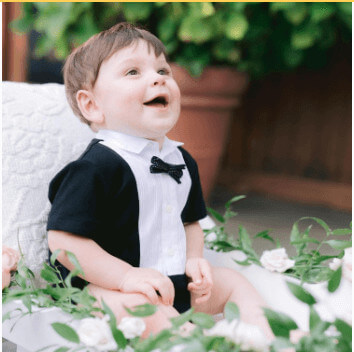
[{"x": 158, "y": 79}]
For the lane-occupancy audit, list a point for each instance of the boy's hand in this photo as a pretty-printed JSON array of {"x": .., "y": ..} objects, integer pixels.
[
  {"x": 199, "y": 270},
  {"x": 148, "y": 281}
]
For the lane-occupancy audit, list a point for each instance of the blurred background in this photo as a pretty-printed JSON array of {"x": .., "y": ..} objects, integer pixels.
[{"x": 287, "y": 92}]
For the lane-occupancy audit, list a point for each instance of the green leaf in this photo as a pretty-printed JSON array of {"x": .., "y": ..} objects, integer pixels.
[
  {"x": 340, "y": 232},
  {"x": 245, "y": 262},
  {"x": 143, "y": 310},
  {"x": 315, "y": 319},
  {"x": 295, "y": 235},
  {"x": 300, "y": 293},
  {"x": 73, "y": 260},
  {"x": 231, "y": 311},
  {"x": 166, "y": 28},
  {"x": 66, "y": 331},
  {"x": 49, "y": 274},
  {"x": 62, "y": 349},
  {"x": 216, "y": 215},
  {"x": 296, "y": 14},
  {"x": 203, "y": 320},
  {"x": 306, "y": 240},
  {"x": 54, "y": 256},
  {"x": 135, "y": 11},
  {"x": 321, "y": 11},
  {"x": 236, "y": 26},
  {"x": 182, "y": 318},
  {"x": 280, "y": 323},
  {"x": 339, "y": 245},
  {"x": 265, "y": 235},
  {"x": 320, "y": 222},
  {"x": 280, "y": 343},
  {"x": 233, "y": 200},
  {"x": 245, "y": 238},
  {"x": 344, "y": 328},
  {"x": 224, "y": 246},
  {"x": 118, "y": 336},
  {"x": 335, "y": 279},
  {"x": 154, "y": 341},
  {"x": 197, "y": 30},
  {"x": 207, "y": 9}
]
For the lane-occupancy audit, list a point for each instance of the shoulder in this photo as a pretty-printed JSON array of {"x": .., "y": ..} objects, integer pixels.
[
  {"x": 189, "y": 160},
  {"x": 104, "y": 160},
  {"x": 96, "y": 162}
]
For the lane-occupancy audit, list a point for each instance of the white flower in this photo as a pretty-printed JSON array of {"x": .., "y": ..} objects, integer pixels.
[
  {"x": 177, "y": 348},
  {"x": 335, "y": 264},
  {"x": 276, "y": 260},
  {"x": 132, "y": 327},
  {"x": 249, "y": 337},
  {"x": 345, "y": 262},
  {"x": 223, "y": 328},
  {"x": 211, "y": 237},
  {"x": 95, "y": 332}
]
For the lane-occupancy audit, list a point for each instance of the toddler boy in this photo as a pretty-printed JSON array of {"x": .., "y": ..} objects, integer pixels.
[{"x": 129, "y": 207}]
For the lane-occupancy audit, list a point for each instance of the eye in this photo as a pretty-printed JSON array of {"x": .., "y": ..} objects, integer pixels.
[
  {"x": 163, "y": 71},
  {"x": 132, "y": 72}
]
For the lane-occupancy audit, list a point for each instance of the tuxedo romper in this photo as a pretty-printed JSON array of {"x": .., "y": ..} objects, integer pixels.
[{"x": 110, "y": 196}]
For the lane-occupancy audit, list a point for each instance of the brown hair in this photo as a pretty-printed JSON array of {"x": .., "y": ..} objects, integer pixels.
[{"x": 83, "y": 64}]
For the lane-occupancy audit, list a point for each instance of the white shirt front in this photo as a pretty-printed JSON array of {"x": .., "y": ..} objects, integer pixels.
[{"x": 161, "y": 200}]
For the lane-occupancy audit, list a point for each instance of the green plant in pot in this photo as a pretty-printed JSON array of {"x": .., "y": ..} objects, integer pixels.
[{"x": 219, "y": 45}]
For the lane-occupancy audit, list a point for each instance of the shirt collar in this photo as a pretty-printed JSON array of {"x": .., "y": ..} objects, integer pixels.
[{"x": 135, "y": 144}]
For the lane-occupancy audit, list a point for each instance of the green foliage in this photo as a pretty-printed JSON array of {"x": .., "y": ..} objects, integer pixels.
[
  {"x": 280, "y": 323},
  {"x": 66, "y": 331},
  {"x": 231, "y": 311},
  {"x": 310, "y": 264},
  {"x": 255, "y": 37},
  {"x": 143, "y": 310},
  {"x": 80, "y": 304},
  {"x": 301, "y": 294}
]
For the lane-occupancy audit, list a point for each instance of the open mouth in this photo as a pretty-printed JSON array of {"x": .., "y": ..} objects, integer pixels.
[{"x": 158, "y": 102}]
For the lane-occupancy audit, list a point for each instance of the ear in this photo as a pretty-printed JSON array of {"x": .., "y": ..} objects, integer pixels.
[{"x": 88, "y": 106}]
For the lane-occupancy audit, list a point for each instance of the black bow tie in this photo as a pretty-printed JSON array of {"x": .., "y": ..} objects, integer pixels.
[{"x": 158, "y": 166}]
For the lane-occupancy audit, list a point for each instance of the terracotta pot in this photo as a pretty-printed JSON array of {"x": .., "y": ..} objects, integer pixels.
[{"x": 207, "y": 107}]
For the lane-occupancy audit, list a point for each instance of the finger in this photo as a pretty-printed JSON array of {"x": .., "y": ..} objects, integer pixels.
[
  {"x": 205, "y": 285},
  {"x": 164, "y": 292},
  {"x": 206, "y": 272},
  {"x": 150, "y": 292},
  {"x": 201, "y": 292},
  {"x": 194, "y": 287},
  {"x": 172, "y": 291},
  {"x": 203, "y": 298},
  {"x": 166, "y": 289},
  {"x": 195, "y": 274}
]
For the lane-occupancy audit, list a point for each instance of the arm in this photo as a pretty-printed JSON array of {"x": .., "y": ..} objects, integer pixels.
[
  {"x": 197, "y": 268},
  {"x": 100, "y": 268},
  {"x": 107, "y": 271}
]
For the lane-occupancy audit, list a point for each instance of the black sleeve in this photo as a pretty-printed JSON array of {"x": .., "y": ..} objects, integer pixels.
[
  {"x": 77, "y": 194},
  {"x": 194, "y": 209}
]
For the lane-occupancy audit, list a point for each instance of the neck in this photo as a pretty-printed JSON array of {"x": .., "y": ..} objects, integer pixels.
[{"x": 159, "y": 140}]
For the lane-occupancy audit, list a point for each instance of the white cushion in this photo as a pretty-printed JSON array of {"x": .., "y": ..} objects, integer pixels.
[{"x": 40, "y": 136}]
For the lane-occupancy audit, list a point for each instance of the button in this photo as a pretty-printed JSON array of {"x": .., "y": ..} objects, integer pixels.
[{"x": 169, "y": 208}]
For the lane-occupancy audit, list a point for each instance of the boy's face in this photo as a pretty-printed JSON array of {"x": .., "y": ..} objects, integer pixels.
[{"x": 136, "y": 93}]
